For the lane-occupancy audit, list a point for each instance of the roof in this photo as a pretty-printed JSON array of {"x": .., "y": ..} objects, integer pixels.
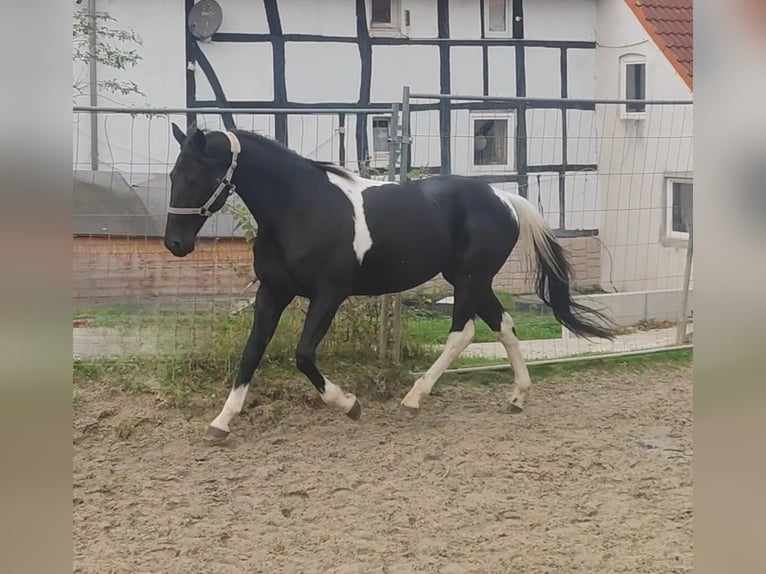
[
  {"x": 670, "y": 24},
  {"x": 106, "y": 204}
]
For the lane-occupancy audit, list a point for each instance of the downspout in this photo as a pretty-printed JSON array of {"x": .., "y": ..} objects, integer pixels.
[{"x": 93, "y": 80}]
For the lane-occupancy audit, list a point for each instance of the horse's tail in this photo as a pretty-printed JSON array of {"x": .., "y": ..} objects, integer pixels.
[{"x": 553, "y": 274}]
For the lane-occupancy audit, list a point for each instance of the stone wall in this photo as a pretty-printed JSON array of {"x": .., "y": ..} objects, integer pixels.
[
  {"x": 120, "y": 270},
  {"x": 515, "y": 276},
  {"x": 126, "y": 270}
]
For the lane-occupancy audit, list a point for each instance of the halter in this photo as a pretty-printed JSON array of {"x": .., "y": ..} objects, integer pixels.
[{"x": 226, "y": 186}]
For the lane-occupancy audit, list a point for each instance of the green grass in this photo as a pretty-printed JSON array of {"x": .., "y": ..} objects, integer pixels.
[
  {"x": 202, "y": 385},
  {"x": 426, "y": 330},
  {"x": 615, "y": 365},
  {"x": 208, "y": 347},
  {"x": 422, "y": 327},
  {"x": 428, "y": 327}
]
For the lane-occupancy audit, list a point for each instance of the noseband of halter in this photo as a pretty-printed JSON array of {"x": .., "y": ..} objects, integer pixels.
[{"x": 226, "y": 187}]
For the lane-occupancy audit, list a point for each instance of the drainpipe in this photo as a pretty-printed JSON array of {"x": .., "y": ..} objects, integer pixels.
[{"x": 93, "y": 64}]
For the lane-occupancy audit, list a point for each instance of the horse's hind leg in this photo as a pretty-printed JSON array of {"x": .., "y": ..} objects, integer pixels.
[
  {"x": 499, "y": 320},
  {"x": 268, "y": 308},
  {"x": 460, "y": 336},
  {"x": 321, "y": 312}
]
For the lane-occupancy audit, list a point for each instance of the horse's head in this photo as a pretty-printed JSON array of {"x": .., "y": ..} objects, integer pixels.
[{"x": 200, "y": 182}]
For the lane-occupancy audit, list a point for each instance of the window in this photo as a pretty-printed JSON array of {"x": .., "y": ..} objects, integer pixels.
[
  {"x": 381, "y": 12},
  {"x": 492, "y": 141},
  {"x": 489, "y": 142},
  {"x": 385, "y": 17},
  {"x": 380, "y": 134},
  {"x": 633, "y": 81},
  {"x": 679, "y": 208},
  {"x": 497, "y": 18}
]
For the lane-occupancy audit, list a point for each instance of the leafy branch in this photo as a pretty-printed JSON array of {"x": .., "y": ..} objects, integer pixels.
[{"x": 113, "y": 48}]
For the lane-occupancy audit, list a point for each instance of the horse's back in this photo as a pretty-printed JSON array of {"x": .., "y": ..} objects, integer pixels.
[{"x": 425, "y": 227}]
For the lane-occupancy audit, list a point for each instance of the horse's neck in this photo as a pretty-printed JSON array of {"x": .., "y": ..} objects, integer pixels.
[{"x": 266, "y": 200}]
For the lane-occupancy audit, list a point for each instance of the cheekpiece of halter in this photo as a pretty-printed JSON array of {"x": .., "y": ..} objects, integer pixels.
[{"x": 226, "y": 187}]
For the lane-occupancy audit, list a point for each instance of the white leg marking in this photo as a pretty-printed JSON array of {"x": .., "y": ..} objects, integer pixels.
[
  {"x": 353, "y": 190},
  {"x": 335, "y": 397},
  {"x": 231, "y": 408},
  {"x": 511, "y": 343},
  {"x": 456, "y": 344}
]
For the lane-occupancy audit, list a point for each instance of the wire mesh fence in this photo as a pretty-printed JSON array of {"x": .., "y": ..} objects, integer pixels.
[
  {"x": 613, "y": 181},
  {"x": 132, "y": 298},
  {"x": 612, "y": 178}
]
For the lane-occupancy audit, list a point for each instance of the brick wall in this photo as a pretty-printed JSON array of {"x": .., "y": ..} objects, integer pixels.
[
  {"x": 515, "y": 276},
  {"x": 120, "y": 270}
]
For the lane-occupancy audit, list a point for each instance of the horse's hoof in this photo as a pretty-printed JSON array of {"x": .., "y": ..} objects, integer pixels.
[
  {"x": 514, "y": 408},
  {"x": 355, "y": 412},
  {"x": 409, "y": 411},
  {"x": 214, "y": 435}
]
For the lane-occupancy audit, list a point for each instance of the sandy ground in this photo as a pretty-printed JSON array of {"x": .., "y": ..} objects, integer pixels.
[{"x": 595, "y": 476}]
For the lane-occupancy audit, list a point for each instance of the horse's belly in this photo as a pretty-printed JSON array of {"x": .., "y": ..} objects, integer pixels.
[{"x": 378, "y": 275}]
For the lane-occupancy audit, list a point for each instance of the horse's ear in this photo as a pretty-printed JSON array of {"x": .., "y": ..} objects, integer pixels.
[
  {"x": 179, "y": 134},
  {"x": 197, "y": 140}
]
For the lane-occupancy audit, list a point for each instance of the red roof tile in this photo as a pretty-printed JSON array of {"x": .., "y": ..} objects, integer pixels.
[{"x": 670, "y": 24}]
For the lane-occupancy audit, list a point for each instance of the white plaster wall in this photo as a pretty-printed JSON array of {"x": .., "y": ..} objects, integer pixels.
[
  {"x": 397, "y": 66},
  {"x": 559, "y": 20},
  {"x": 582, "y": 201},
  {"x": 464, "y": 19},
  {"x": 635, "y": 156},
  {"x": 245, "y": 71},
  {"x": 326, "y": 18},
  {"x": 543, "y": 72},
  {"x": 582, "y": 139},
  {"x": 309, "y": 65},
  {"x": 502, "y": 71},
  {"x": 581, "y": 73},
  {"x": 544, "y": 136},
  {"x": 466, "y": 73},
  {"x": 543, "y": 191},
  {"x": 424, "y": 127},
  {"x": 244, "y": 17},
  {"x": 423, "y": 22}
]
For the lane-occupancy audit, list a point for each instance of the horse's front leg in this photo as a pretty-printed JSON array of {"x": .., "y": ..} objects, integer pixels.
[
  {"x": 321, "y": 312},
  {"x": 268, "y": 308}
]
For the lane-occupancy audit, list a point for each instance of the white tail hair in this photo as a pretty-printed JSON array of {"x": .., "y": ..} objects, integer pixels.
[{"x": 534, "y": 232}]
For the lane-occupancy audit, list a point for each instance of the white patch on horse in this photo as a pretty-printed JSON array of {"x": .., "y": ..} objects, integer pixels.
[
  {"x": 231, "y": 408},
  {"x": 353, "y": 190},
  {"x": 335, "y": 397},
  {"x": 504, "y": 197},
  {"x": 510, "y": 341},
  {"x": 456, "y": 344}
]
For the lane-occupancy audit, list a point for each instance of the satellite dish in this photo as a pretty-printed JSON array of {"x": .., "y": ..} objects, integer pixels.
[{"x": 205, "y": 19}]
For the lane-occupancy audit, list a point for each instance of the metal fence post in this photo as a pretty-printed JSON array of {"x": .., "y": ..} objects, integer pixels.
[
  {"x": 684, "y": 312},
  {"x": 93, "y": 81},
  {"x": 385, "y": 305},
  {"x": 403, "y": 177}
]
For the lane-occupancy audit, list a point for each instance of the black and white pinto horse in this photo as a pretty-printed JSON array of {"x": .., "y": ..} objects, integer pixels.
[{"x": 325, "y": 234}]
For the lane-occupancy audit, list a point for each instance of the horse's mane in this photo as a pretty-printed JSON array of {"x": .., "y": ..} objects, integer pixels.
[{"x": 325, "y": 166}]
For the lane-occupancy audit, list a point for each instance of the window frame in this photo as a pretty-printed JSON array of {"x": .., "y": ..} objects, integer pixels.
[
  {"x": 508, "y": 32},
  {"x": 625, "y": 61},
  {"x": 510, "y": 165},
  {"x": 378, "y": 154},
  {"x": 668, "y": 232},
  {"x": 387, "y": 29}
]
